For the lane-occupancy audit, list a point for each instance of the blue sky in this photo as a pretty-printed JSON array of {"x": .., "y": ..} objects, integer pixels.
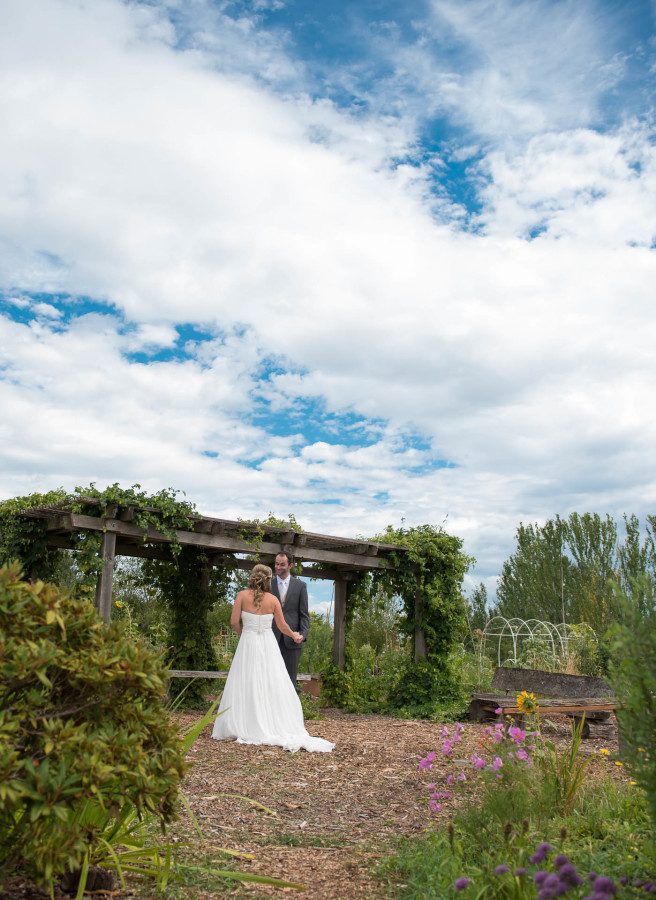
[{"x": 366, "y": 263}]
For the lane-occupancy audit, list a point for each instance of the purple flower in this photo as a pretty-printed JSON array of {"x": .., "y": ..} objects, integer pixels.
[
  {"x": 592, "y": 876},
  {"x": 501, "y": 870},
  {"x": 435, "y": 807},
  {"x": 447, "y": 747},
  {"x": 450, "y": 780},
  {"x": 539, "y": 877},
  {"x": 545, "y": 848},
  {"x": 427, "y": 763},
  {"x": 498, "y": 762},
  {"x": 545, "y": 894},
  {"x": 623, "y": 880},
  {"x": 569, "y": 874},
  {"x": 461, "y": 883},
  {"x": 519, "y": 872},
  {"x": 560, "y": 860}
]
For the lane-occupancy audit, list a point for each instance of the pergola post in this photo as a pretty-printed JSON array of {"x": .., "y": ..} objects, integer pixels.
[
  {"x": 420, "y": 635},
  {"x": 106, "y": 576},
  {"x": 339, "y": 623}
]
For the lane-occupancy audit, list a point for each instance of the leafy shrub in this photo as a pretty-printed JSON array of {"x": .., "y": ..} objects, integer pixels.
[
  {"x": 633, "y": 676},
  {"x": 82, "y": 723}
]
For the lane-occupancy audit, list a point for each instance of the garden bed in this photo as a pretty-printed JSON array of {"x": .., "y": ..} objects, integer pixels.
[{"x": 335, "y": 816}]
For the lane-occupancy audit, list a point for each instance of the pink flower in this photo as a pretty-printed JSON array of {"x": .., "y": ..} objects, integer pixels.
[
  {"x": 462, "y": 777},
  {"x": 522, "y": 754},
  {"x": 431, "y": 787},
  {"x": 428, "y": 762},
  {"x": 478, "y": 761},
  {"x": 498, "y": 711},
  {"x": 436, "y": 807},
  {"x": 447, "y": 747},
  {"x": 517, "y": 734},
  {"x": 449, "y": 780},
  {"x": 498, "y": 762},
  {"x": 445, "y": 732}
]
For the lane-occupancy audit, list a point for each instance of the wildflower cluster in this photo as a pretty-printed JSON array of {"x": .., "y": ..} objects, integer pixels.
[
  {"x": 505, "y": 745},
  {"x": 559, "y": 880}
]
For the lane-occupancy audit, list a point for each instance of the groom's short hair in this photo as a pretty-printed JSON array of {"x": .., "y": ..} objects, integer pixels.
[{"x": 286, "y": 553}]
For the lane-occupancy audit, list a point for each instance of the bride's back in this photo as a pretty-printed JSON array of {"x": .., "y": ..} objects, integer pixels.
[{"x": 266, "y": 605}]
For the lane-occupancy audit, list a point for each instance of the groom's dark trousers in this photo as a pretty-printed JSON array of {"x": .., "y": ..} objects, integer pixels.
[{"x": 295, "y": 612}]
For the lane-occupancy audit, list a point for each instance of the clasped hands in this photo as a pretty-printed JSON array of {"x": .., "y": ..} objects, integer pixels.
[{"x": 297, "y": 637}]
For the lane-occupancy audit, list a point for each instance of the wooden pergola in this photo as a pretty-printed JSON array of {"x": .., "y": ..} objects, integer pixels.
[{"x": 337, "y": 559}]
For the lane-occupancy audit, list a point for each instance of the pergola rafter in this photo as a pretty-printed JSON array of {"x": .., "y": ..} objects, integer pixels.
[{"x": 322, "y": 556}]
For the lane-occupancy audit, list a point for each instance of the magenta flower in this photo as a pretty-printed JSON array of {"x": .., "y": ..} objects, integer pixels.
[
  {"x": 498, "y": 711},
  {"x": 517, "y": 734},
  {"x": 496, "y": 765},
  {"x": 447, "y": 747},
  {"x": 445, "y": 732},
  {"x": 435, "y": 807},
  {"x": 450, "y": 780},
  {"x": 522, "y": 754},
  {"x": 428, "y": 762},
  {"x": 478, "y": 761},
  {"x": 462, "y": 777},
  {"x": 432, "y": 786}
]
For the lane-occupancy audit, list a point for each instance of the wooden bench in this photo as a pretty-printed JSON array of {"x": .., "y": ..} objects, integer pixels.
[
  {"x": 310, "y": 683},
  {"x": 556, "y": 693}
]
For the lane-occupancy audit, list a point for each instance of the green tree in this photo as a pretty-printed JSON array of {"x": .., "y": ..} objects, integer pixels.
[
  {"x": 533, "y": 582},
  {"x": 477, "y": 608},
  {"x": 317, "y": 652},
  {"x": 377, "y": 622},
  {"x": 593, "y": 546}
]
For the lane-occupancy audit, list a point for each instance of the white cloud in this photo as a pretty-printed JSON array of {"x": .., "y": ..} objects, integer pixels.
[{"x": 145, "y": 177}]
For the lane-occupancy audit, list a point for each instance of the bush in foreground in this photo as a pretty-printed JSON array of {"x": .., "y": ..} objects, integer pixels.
[{"x": 82, "y": 723}]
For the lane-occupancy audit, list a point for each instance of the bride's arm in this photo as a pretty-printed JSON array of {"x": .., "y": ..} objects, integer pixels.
[
  {"x": 282, "y": 625},
  {"x": 236, "y": 614}
]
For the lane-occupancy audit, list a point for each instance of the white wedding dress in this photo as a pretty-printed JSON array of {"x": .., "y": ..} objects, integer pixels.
[{"x": 259, "y": 703}]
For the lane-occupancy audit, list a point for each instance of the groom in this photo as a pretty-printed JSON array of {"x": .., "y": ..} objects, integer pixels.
[{"x": 292, "y": 593}]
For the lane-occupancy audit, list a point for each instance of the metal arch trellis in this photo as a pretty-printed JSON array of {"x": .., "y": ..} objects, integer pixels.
[{"x": 557, "y": 636}]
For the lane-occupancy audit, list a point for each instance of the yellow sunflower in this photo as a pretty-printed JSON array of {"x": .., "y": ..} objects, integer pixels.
[{"x": 527, "y": 702}]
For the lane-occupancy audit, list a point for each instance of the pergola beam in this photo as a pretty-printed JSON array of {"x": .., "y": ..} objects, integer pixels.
[{"x": 217, "y": 542}]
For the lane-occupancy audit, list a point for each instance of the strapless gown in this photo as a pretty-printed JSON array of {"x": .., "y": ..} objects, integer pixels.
[{"x": 259, "y": 703}]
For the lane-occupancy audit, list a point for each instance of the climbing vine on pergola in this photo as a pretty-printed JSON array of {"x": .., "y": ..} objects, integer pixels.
[{"x": 192, "y": 558}]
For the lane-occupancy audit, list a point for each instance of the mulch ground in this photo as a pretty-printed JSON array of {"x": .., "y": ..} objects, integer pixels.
[{"x": 328, "y": 818}]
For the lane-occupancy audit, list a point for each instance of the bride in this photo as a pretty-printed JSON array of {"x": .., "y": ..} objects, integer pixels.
[{"x": 259, "y": 703}]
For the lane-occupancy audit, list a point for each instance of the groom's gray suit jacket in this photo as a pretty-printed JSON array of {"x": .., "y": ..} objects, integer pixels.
[{"x": 295, "y": 613}]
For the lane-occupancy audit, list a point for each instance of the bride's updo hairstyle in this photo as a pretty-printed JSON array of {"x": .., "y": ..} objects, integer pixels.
[{"x": 260, "y": 582}]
